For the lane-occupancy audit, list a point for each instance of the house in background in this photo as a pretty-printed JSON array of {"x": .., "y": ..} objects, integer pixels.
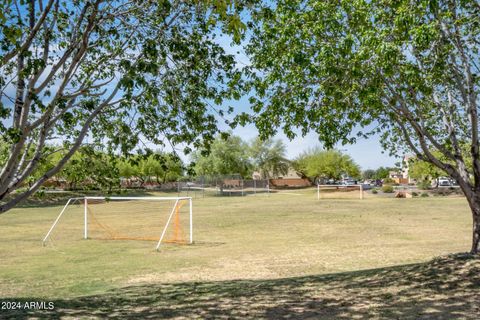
[
  {"x": 406, "y": 167},
  {"x": 401, "y": 176},
  {"x": 398, "y": 177},
  {"x": 288, "y": 180}
]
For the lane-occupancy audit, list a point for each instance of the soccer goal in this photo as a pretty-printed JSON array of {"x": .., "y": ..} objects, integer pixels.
[
  {"x": 159, "y": 219},
  {"x": 328, "y": 191}
]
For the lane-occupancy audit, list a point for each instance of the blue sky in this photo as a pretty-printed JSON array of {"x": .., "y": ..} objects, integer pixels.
[{"x": 366, "y": 152}]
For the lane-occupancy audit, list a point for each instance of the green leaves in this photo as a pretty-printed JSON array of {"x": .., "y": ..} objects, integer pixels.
[
  {"x": 326, "y": 164},
  {"x": 13, "y": 135},
  {"x": 90, "y": 168},
  {"x": 163, "y": 167},
  {"x": 333, "y": 67},
  {"x": 228, "y": 155},
  {"x": 269, "y": 157}
]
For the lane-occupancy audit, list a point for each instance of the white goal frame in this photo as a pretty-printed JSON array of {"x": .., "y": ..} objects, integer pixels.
[
  {"x": 340, "y": 186},
  {"x": 85, "y": 214}
]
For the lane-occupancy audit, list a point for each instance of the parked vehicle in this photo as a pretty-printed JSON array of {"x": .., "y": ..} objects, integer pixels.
[
  {"x": 349, "y": 182},
  {"x": 366, "y": 186},
  {"x": 444, "y": 182}
]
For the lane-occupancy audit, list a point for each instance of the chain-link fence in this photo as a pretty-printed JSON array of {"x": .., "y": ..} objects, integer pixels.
[{"x": 226, "y": 185}]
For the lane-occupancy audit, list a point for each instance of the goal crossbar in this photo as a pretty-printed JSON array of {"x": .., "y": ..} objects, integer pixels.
[{"x": 175, "y": 208}]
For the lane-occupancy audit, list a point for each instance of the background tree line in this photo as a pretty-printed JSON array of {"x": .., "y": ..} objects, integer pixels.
[
  {"x": 268, "y": 158},
  {"x": 91, "y": 167}
]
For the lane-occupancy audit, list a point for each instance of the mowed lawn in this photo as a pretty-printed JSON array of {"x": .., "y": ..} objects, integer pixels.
[{"x": 267, "y": 242}]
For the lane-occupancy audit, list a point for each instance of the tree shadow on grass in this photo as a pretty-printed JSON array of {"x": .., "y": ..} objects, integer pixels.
[{"x": 445, "y": 288}]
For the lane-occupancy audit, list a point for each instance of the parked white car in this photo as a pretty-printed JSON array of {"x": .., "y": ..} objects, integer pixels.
[{"x": 443, "y": 182}]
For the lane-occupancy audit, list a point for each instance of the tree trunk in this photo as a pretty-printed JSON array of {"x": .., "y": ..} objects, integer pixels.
[
  {"x": 475, "y": 207},
  {"x": 476, "y": 234}
]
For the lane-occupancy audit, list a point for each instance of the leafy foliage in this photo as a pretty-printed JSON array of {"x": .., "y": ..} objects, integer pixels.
[
  {"x": 269, "y": 157},
  {"x": 329, "y": 164},
  {"x": 368, "y": 174},
  {"x": 163, "y": 167},
  {"x": 118, "y": 72},
  {"x": 383, "y": 172},
  {"x": 379, "y": 173},
  {"x": 89, "y": 168},
  {"x": 228, "y": 155},
  {"x": 422, "y": 170},
  {"x": 387, "y": 188}
]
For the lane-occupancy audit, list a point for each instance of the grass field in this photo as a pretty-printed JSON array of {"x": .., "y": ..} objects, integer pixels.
[{"x": 256, "y": 256}]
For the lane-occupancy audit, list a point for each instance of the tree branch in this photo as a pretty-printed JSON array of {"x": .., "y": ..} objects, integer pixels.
[{"x": 7, "y": 57}]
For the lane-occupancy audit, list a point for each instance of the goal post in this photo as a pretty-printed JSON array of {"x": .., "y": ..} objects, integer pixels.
[
  {"x": 339, "y": 191},
  {"x": 123, "y": 208}
]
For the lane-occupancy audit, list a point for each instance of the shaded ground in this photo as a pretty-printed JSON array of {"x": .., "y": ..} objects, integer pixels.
[{"x": 444, "y": 288}]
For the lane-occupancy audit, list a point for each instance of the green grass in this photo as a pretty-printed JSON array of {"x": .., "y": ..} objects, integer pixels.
[{"x": 283, "y": 254}]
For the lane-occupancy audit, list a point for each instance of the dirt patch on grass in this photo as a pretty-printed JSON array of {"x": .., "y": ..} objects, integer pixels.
[
  {"x": 248, "y": 267},
  {"x": 444, "y": 288}
]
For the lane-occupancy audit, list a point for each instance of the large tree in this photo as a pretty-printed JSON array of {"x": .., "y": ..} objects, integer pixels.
[
  {"x": 88, "y": 168},
  {"x": 115, "y": 72},
  {"x": 424, "y": 171},
  {"x": 384, "y": 172},
  {"x": 326, "y": 164},
  {"x": 162, "y": 167},
  {"x": 269, "y": 157},
  {"x": 229, "y": 155},
  {"x": 368, "y": 174},
  {"x": 406, "y": 69}
]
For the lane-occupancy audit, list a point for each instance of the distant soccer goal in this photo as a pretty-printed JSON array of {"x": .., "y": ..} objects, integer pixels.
[
  {"x": 328, "y": 191},
  {"x": 159, "y": 219}
]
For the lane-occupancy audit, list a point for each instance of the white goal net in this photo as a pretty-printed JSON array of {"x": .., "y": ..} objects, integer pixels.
[{"x": 159, "y": 219}]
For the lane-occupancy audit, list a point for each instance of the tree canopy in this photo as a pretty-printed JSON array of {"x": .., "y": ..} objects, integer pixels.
[
  {"x": 326, "y": 164},
  {"x": 117, "y": 72},
  {"x": 377, "y": 174},
  {"x": 163, "y": 167},
  {"x": 368, "y": 174},
  {"x": 424, "y": 171},
  {"x": 269, "y": 157},
  {"x": 407, "y": 70},
  {"x": 228, "y": 155}
]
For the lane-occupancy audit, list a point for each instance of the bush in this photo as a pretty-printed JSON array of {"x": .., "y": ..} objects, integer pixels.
[
  {"x": 387, "y": 189},
  {"x": 388, "y": 180},
  {"x": 424, "y": 195},
  {"x": 424, "y": 185},
  {"x": 374, "y": 191},
  {"x": 414, "y": 194},
  {"x": 40, "y": 194}
]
